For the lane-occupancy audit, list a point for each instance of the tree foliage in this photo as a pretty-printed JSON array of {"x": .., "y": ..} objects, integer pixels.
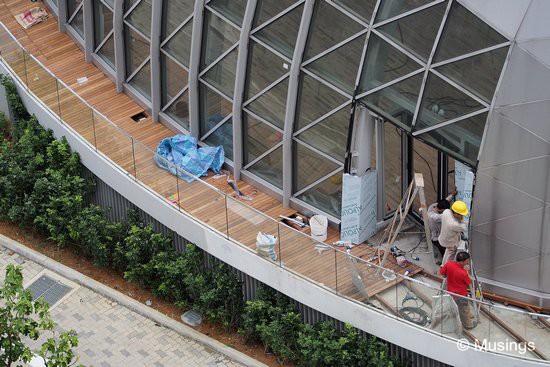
[{"x": 21, "y": 318}]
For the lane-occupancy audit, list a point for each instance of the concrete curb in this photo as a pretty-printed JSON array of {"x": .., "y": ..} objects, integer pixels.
[{"x": 128, "y": 302}]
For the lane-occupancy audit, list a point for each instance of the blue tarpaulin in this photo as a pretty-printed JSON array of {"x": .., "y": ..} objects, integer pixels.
[{"x": 180, "y": 155}]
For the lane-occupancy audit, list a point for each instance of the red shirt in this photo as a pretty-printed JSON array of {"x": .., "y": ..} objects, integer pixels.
[{"x": 457, "y": 278}]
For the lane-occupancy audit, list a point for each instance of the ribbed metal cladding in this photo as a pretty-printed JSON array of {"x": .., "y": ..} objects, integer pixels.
[{"x": 107, "y": 197}]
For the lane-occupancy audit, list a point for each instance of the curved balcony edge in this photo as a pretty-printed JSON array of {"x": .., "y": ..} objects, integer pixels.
[{"x": 382, "y": 325}]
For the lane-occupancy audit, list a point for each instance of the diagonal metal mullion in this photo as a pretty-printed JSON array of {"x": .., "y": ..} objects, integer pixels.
[
  {"x": 138, "y": 69},
  {"x": 264, "y": 154},
  {"x": 449, "y": 122},
  {"x": 277, "y": 16},
  {"x": 270, "y": 86},
  {"x": 347, "y": 13},
  {"x": 75, "y": 13},
  {"x": 365, "y": 48},
  {"x": 407, "y": 13},
  {"x": 390, "y": 83},
  {"x": 257, "y": 117},
  {"x": 174, "y": 99},
  {"x": 336, "y": 46},
  {"x": 130, "y": 25},
  {"x": 102, "y": 43},
  {"x": 323, "y": 81},
  {"x": 217, "y": 13},
  {"x": 205, "y": 82},
  {"x": 430, "y": 58},
  {"x": 173, "y": 58},
  {"x": 276, "y": 52},
  {"x": 178, "y": 28},
  {"x": 459, "y": 87},
  {"x": 323, "y": 117},
  {"x": 219, "y": 124},
  {"x": 218, "y": 59},
  {"x": 321, "y": 153},
  {"x": 470, "y": 54},
  {"x": 399, "y": 47},
  {"x": 318, "y": 181}
]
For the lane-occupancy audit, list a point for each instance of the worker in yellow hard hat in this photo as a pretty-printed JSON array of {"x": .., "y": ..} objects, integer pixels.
[{"x": 452, "y": 227}]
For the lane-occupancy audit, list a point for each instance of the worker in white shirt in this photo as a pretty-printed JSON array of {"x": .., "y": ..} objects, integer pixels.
[
  {"x": 434, "y": 221},
  {"x": 452, "y": 226}
]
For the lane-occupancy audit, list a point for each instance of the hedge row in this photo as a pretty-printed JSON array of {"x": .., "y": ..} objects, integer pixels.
[{"x": 41, "y": 186}]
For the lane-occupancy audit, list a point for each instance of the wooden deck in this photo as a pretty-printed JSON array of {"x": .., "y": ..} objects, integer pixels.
[{"x": 231, "y": 216}]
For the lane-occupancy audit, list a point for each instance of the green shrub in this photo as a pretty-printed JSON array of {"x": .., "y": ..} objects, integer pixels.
[
  {"x": 137, "y": 249},
  {"x": 16, "y": 105},
  {"x": 95, "y": 234}
]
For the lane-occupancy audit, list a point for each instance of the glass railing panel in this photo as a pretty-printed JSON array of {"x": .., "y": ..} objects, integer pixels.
[
  {"x": 515, "y": 332},
  {"x": 253, "y": 229},
  {"x": 355, "y": 277},
  {"x": 203, "y": 202},
  {"x": 113, "y": 143},
  {"x": 42, "y": 84},
  {"x": 423, "y": 305},
  {"x": 13, "y": 55},
  {"x": 312, "y": 259},
  {"x": 148, "y": 172},
  {"x": 75, "y": 113},
  {"x": 537, "y": 332}
]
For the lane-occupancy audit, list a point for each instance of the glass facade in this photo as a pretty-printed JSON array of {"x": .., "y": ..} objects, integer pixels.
[{"x": 429, "y": 69}]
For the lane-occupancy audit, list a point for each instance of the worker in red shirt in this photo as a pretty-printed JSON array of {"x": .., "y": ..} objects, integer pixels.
[{"x": 458, "y": 281}]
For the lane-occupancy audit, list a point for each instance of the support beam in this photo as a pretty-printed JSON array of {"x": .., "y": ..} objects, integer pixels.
[
  {"x": 62, "y": 15},
  {"x": 292, "y": 96},
  {"x": 156, "y": 79},
  {"x": 88, "y": 15},
  {"x": 118, "y": 26},
  {"x": 194, "y": 68},
  {"x": 238, "y": 94}
]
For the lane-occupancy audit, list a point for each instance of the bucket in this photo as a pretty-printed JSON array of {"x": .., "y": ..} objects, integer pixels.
[{"x": 318, "y": 225}]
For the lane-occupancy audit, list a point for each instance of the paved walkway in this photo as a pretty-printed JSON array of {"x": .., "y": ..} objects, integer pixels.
[{"x": 113, "y": 335}]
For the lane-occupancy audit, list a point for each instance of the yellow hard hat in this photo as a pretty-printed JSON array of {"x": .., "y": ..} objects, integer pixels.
[{"x": 460, "y": 207}]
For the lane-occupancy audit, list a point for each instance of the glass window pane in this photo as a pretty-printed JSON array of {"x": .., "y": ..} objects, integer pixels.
[
  {"x": 174, "y": 12},
  {"x": 174, "y": 79},
  {"x": 258, "y": 138},
  {"x": 142, "y": 81},
  {"x": 362, "y": 8},
  {"x": 218, "y": 37},
  {"x": 309, "y": 166},
  {"x": 479, "y": 74},
  {"x": 397, "y": 102},
  {"x": 140, "y": 17},
  {"x": 78, "y": 22},
  {"x": 270, "y": 168},
  {"x": 417, "y": 32},
  {"x": 267, "y": 9},
  {"x": 281, "y": 34},
  {"x": 329, "y": 135},
  {"x": 340, "y": 66},
  {"x": 329, "y": 26},
  {"x": 223, "y": 136},
  {"x": 461, "y": 139},
  {"x": 314, "y": 100},
  {"x": 425, "y": 162},
  {"x": 72, "y": 5},
  {"x": 107, "y": 51},
  {"x": 213, "y": 109},
  {"x": 264, "y": 67},
  {"x": 128, "y": 4},
  {"x": 272, "y": 104},
  {"x": 137, "y": 50},
  {"x": 392, "y": 167},
  {"x": 179, "y": 45},
  {"x": 326, "y": 196},
  {"x": 222, "y": 75},
  {"x": 465, "y": 33},
  {"x": 390, "y": 8},
  {"x": 231, "y": 9},
  {"x": 441, "y": 102},
  {"x": 103, "y": 22},
  {"x": 179, "y": 110},
  {"x": 383, "y": 64}
]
